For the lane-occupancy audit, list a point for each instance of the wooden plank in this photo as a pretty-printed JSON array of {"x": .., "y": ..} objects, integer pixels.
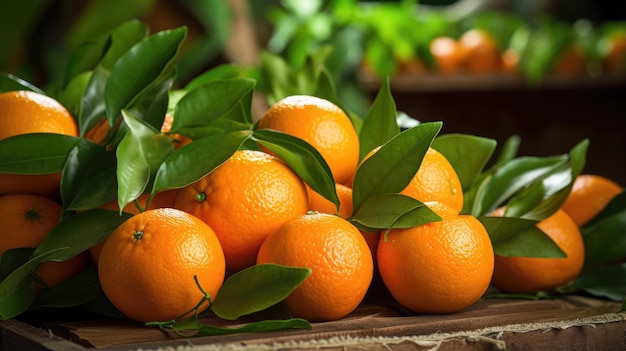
[{"x": 568, "y": 323}]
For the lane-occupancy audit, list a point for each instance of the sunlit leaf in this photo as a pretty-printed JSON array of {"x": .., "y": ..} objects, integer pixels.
[
  {"x": 387, "y": 211},
  {"x": 139, "y": 67},
  {"x": 35, "y": 153},
  {"x": 139, "y": 156},
  {"x": 210, "y": 101},
  {"x": 392, "y": 167},
  {"x": 303, "y": 159},
  {"x": 510, "y": 177},
  {"x": 543, "y": 197},
  {"x": 468, "y": 154},
  {"x": 256, "y": 288},
  {"x": 379, "y": 124},
  {"x": 197, "y": 159}
]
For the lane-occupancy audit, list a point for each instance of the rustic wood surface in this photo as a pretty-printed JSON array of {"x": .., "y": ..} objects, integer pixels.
[{"x": 567, "y": 323}]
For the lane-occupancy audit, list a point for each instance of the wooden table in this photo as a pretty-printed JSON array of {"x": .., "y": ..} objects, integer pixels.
[{"x": 566, "y": 323}]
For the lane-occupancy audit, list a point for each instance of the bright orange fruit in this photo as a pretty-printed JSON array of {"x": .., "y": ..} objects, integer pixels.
[
  {"x": 530, "y": 274},
  {"x": 323, "y": 125},
  {"x": 340, "y": 260},
  {"x": 23, "y": 112},
  {"x": 589, "y": 196},
  {"x": 25, "y": 221},
  {"x": 439, "y": 267},
  {"x": 148, "y": 264},
  {"x": 244, "y": 200}
]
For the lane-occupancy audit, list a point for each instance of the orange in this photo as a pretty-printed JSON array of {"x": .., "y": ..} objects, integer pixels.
[
  {"x": 480, "y": 52},
  {"x": 147, "y": 265},
  {"x": 323, "y": 125},
  {"x": 337, "y": 254},
  {"x": 320, "y": 204},
  {"x": 446, "y": 53},
  {"x": 530, "y": 274},
  {"x": 25, "y": 221},
  {"x": 435, "y": 180},
  {"x": 163, "y": 199},
  {"x": 589, "y": 196},
  {"x": 244, "y": 200},
  {"x": 23, "y": 112},
  {"x": 438, "y": 267}
]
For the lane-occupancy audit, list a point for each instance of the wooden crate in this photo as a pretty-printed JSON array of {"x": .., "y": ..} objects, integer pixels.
[{"x": 566, "y": 323}]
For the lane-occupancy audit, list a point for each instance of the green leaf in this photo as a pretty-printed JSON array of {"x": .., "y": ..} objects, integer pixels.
[
  {"x": 303, "y": 159},
  {"x": 92, "y": 108},
  {"x": 88, "y": 177},
  {"x": 606, "y": 282},
  {"x": 71, "y": 96},
  {"x": 210, "y": 101},
  {"x": 388, "y": 211},
  {"x": 256, "y": 288},
  {"x": 546, "y": 195},
  {"x": 511, "y": 177},
  {"x": 519, "y": 237},
  {"x": 139, "y": 156},
  {"x": 35, "y": 153},
  {"x": 197, "y": 159},
  {"x": 16, "y": 291},
  {"x": 13, "y": 259},
  {"x": 509, "y": 150},
  {"x": 604, "y": 240},
  {"x": 392, "y": 167},
  {"x": 9, "y": 82},
  {"x": 219, "y": 72},
  {"x": 468, "y": 154},
  {"x": 122, "y": 39},
  {"x": 78, "y": 233},
  {"x": 77, "y": 290},
  {"x": 139, "y": 67},
  {"x": 151, "y": 104},
  {"x": 379, "y": 124}
]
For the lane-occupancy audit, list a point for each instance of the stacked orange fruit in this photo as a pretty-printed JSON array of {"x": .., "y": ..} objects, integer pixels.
[{"x": 254, "y": 209}]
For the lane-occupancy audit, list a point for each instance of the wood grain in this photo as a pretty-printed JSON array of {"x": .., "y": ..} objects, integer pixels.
[{"x": 568, "y": 323}]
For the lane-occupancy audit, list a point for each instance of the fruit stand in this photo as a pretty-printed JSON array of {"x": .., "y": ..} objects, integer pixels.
[
  {"x": 396, "y": 199},
  {"x": 568, "y": 323}
]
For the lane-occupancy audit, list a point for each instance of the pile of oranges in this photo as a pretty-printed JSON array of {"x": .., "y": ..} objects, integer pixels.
[{"x": 254, "y": 209}]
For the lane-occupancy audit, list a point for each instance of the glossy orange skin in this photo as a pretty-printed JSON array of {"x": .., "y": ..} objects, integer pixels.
[
  {"x": 25, "y": 221},
  {"x": 340, "y": 260},
  {"x": 147, "y": 265},
  {"x": 589, "y": 196},
  {"x": 23, "y": 112},
  {"x": 530, "y": 274},
  {"x": 320, "y": 123},
  {"x": 439, "y": 267},
  {"x": 244, "y": 200}
]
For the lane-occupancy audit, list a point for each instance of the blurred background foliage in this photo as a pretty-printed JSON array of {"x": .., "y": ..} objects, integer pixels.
[{"x": 348, "y": 37}]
